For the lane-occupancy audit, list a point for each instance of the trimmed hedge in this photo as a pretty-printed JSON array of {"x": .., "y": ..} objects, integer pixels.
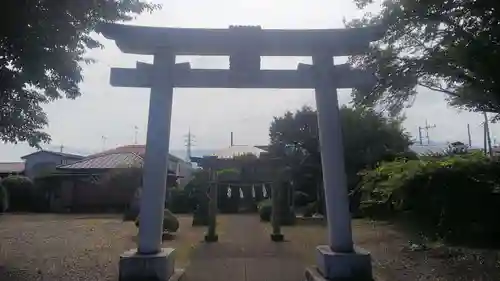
[
  {"x": 180, "y": 202},
  {"x": 4, "y": 199},
  {"x": 21, "y": 193},
  {"x": 265, "y": 212},
  {"x": 456, "y": 198}
]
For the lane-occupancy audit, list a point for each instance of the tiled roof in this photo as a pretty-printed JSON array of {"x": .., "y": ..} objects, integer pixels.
[
  {"x": 11, "y": 167},
  {"x": 138, "y": 149},
  {"x": 56, "y": 153},
  {"x": 106, "y": 161},
  {"x": 135, "y": 148}
]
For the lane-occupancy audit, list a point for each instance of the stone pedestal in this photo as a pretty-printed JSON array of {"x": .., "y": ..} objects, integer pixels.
[
  {"x": 340, "y": 266},
  {"x": 277, "y": 237},
  {"x": 153, "y": 267},
  {"x": 211, "y": 238}
]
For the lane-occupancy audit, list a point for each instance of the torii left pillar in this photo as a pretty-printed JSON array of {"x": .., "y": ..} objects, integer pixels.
[{"x": 150, "y": 261}]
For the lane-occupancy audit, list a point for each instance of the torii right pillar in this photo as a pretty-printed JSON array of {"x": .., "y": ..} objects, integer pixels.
[{"x": 339, "y": 260}]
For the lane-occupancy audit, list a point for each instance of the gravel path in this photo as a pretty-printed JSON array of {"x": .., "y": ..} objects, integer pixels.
[
  {"x": 76, "y": 248},
  {"x": 245, "y": 252}
]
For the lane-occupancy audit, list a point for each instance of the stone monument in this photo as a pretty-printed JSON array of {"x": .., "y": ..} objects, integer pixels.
[{"x": 245, "y": 46}]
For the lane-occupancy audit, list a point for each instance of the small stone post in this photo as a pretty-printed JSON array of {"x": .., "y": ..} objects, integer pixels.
[
  {"x": 212, "y": 211},
  {"x": 339, "y": 259},
  {"x": 276, "y": 236}
]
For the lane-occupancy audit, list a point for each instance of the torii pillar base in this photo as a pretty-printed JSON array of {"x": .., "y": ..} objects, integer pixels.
[
  {"x": 332, "y": 266},
  {"x": 134, "y": 266}
]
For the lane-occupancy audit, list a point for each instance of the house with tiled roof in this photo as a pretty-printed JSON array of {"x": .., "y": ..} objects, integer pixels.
[
  {"x": 78, "y": 186},
  {"x": 38, "y": 163},
  {"x": 44, "y": 162},
  {"x": 129, "y": 156}
]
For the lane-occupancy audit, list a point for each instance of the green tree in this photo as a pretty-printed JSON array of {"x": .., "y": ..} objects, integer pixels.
[
  {"x": 368, "y": 136},
  {"x": 449, "y": 46},
  {"x": 42, "y": 46}
]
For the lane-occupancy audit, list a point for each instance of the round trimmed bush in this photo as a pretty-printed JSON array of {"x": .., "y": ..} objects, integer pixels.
[{"x": 170, "y": 222}]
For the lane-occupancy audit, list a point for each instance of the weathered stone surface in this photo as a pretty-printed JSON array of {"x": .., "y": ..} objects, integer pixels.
[
  {"x": 155, "y": 267},
  {"x": 350, "y": 266},
  {"x": 277, "y": 237},
  {"x": 211, "y": 238},
  {"x": 313, "y": 274}
]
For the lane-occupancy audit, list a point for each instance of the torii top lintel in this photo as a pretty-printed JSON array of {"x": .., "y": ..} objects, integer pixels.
[{"x": 265, "y": 42}]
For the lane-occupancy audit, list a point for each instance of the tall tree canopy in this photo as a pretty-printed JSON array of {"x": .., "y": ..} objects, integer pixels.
[
  {"x": 451, "y": 46},
  {"x": 42, "y": 44},
  {"x": 368, "y": 136}
]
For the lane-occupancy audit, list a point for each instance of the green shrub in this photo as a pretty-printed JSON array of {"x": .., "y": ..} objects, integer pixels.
[
  {"x": 179, "y": 202},
  {"x": 4, "y": 199},
  {"x": 455, "y": 197},
  {"x": 310, "y": 209},
  {"x": 265, "y": 209},
  {"x": 301, "y": 198},
  {"x": 21, "y": 192},
  {"x": 132, "y": 210},
  {"x": 200, "y": 214},
  {"x": 170, "y": 222}
]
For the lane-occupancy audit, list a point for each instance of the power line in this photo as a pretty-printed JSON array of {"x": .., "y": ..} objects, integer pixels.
[
  {"x": 426, "y": 129},
  {"x": 189, "y": 144}
]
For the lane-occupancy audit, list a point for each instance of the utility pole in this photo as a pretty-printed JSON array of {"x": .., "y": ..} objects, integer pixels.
[
  {"x": 232, "y": 139},
  {"x": 136, "y": 132},
  {"x": 468, "y": 133},
  {"x": 485, "y": 142},
  {"x": 426, "y": 129},
  {"x": 487, "y": 134},
  {"x": 103, "y": 139},
  {"x": 189, "y": 145}
]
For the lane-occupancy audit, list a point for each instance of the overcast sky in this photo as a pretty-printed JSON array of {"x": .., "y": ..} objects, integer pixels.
[{"x": 212, "y": 114}]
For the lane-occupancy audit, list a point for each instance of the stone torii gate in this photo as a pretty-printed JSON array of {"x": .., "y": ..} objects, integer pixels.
[{"x": 244, "y": 46}]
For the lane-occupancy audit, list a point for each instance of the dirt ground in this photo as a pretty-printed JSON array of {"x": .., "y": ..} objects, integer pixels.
[
  {"x": 75, "y": 247},
  {"x": 394, "y": 260},
  {"x": 79, "y": 247}
]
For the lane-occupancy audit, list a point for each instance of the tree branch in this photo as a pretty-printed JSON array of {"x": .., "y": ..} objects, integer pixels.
[{"x": 439, "y": 89}]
